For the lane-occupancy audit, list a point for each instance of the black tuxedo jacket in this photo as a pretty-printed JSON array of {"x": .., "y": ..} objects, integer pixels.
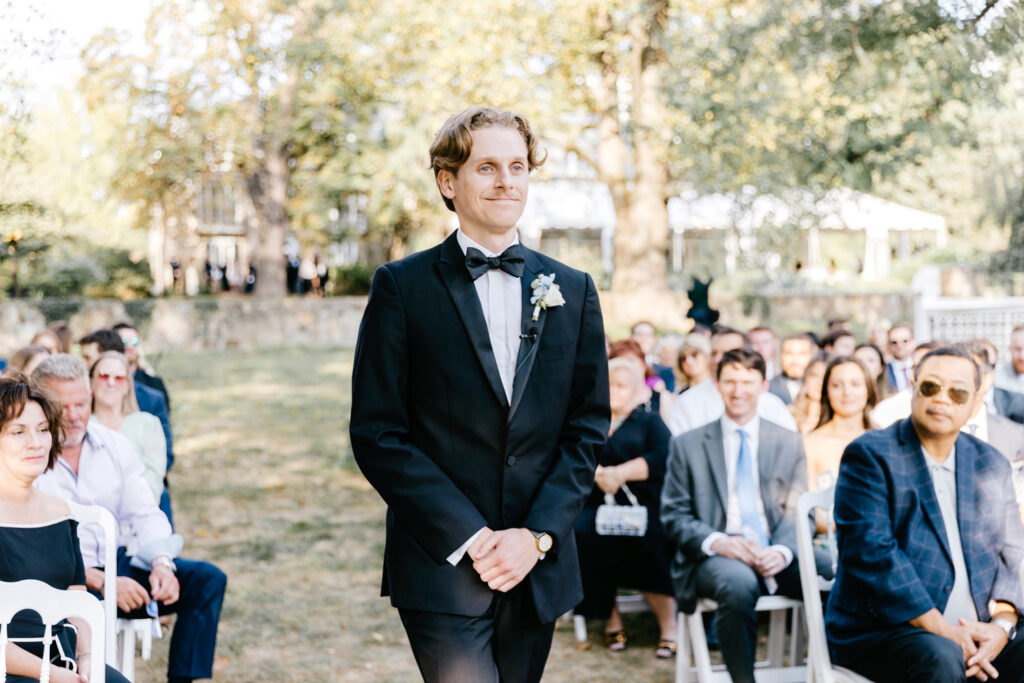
[{"x": 434, "y": 433}]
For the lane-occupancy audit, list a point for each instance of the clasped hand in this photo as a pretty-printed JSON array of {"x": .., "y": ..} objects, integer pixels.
[
  {"x": 608, "y": 479},
  {"x": 504, "y": 558},
  {"x": 765, "y": 561},
  {"x": 163, "y": 586},
  {"x": 980, "y": 642}
]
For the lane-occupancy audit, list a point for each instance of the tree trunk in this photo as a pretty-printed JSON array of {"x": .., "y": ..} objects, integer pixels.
[{"x": 641, "y": 214}]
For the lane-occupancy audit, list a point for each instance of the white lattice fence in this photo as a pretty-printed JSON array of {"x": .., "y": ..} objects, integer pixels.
[{"x": 963, "y": 319}]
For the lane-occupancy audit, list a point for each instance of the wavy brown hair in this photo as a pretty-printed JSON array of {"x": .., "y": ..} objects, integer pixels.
[
  {"x": 15, "y": 393},
  {"x": 454, "y": 142}
]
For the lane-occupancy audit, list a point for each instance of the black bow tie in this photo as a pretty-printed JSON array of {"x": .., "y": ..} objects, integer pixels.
[{"x": 511, "y": 261}]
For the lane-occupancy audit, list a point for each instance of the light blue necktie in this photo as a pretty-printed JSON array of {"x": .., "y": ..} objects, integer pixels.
[{"x": 746, "y": 493}]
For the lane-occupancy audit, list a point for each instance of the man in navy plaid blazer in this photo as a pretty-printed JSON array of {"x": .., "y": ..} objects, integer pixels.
[{"x": 930, "y": 543}]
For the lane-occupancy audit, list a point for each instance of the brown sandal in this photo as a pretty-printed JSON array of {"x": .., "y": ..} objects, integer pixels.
[
  {"x": 666, "y": 649},
  {"x": 616, "y": 640}
]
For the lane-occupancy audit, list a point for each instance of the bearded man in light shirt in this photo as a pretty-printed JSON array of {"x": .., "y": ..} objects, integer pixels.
[{"x": 98, "y": 466}]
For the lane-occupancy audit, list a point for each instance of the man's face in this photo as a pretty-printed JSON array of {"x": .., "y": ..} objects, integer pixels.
[
  {"x": 941, "y": 414},
  {"x": 901, "y": 342},
  {"x": 90, "y": 353},
  {"x": 132, "y": 341},
  {"x": 643, "y": 334},
  {"x": 76, "y": 402},
  {"x": 794, "y": 357},
  {"x": 1017, "y": 352},
  {"x": 489, "y": 191},
  {"x": 765, "y": 343},
  {"x": 740, "y": 388},
  {"x": 722, "y": 343}
]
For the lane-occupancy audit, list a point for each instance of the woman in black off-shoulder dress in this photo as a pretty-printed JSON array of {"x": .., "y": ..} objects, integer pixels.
[{"x": 38, "y": 538}]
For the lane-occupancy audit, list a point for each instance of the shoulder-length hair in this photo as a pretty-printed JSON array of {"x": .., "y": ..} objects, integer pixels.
[
  {"x": 130, "y": 404},
  {"x": 15, "y": 393},
  {"x": 827, "y": 412}
]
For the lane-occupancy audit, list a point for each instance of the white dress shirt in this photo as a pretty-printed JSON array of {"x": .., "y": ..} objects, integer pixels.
[
  {"x": 733, "y": 516},
  {"x": 501, "y": 297},
  {"x": 701, "y": 404},
  {"x": 111, "y": 475},
  {"x": 960, "y": 604},
  {"x": 903, "y": 371}
]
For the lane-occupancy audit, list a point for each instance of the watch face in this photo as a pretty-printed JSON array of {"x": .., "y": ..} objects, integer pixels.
[{"x": 544, "y": 543}]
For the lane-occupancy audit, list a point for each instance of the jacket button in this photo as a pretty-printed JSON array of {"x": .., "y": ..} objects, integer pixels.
[{"x": 511, "y": 460}]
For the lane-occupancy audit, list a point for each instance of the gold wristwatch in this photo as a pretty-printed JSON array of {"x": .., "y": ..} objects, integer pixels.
[{"x": 544, "y": 542}]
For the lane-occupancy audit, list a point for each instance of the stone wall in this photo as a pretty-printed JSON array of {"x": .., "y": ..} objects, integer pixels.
[
  {"x": 194, "y": 324},
  {"x": 249, "y": 323}
]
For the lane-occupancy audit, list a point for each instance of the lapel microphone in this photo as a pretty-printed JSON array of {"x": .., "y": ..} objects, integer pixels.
[{"x": 531, "y": 336}]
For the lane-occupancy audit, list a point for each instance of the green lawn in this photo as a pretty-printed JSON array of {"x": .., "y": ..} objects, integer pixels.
[{"x": 264, "y": 486}]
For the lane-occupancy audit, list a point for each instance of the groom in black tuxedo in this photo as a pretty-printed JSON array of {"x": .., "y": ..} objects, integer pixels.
[{"x": 480, "y": 405}]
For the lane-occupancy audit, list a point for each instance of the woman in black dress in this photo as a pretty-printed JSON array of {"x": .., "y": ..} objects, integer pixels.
[
  {"x": 635, "y": 454},
  {"x": 38, "y": 538}
]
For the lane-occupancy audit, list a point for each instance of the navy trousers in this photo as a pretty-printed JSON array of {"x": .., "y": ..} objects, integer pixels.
[{"x": 198, "y": 610}]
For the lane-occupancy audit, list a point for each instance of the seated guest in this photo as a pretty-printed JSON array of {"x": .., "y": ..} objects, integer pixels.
[
  {"x": 133, "y": 352},
  {"x": 899, "y": 371},
  {"x": 1010, "y": 375},
  {"x": 149, "y": 400},
  {"x": 654, "y": 387},
  {"x": 644, "y": 334},
  {"x": 930, "y": 543},
  {"x": 38, "y": 538},
  {"x": 114, "y": 405},
  {"x": 666, "y": 351},
  {"x": 729, "y": 508},
  {"x": 26, "y": 359},
  {"x": 838, "y": 342},
  {"x": 694, "y": 362},
  {"x": 846, "y": 401},
  {"x": 998, "y": 400},
  {"x": 764, "y": 341},
  {"x": 64, "y": 336},
  {"x": 873, "y": 360},
  {"x": 702, "y": 403},
  {"x": 634, "y": 455},
  {"x": 795, "y": 354},
  {"x": 98, "y": 466},
  {"x": 806, "y": 408},
  {"x": 985, "y": 422}
]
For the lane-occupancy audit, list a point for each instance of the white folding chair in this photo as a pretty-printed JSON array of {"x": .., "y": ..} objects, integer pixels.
[
  {"x": 819, "y": 664},
  {"x": 94, "y": 515},
  {"x": 52, "y": 605},
  {"x": 693, "y": 642},
  {"x": 122, "y": 632}
]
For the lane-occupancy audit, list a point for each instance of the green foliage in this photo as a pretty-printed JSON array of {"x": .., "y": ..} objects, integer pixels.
[
  {"x": 353, "y": 279},
  {"x": 103, "y": 272}
]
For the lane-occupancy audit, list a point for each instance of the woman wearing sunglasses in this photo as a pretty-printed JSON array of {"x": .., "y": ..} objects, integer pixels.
[{"x": 115, "y": 406}]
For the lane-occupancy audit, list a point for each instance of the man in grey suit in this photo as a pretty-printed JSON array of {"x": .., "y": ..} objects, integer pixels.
[
  {"x": 986, "y": 422},
  {"x": 729, "y": 506}
]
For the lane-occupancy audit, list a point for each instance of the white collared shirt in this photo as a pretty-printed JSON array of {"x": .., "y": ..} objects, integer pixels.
[
  {"x": 111, "y": 475},
  {"x": 702, "y": 404},
  {"x": 960, "y": 604},
  {"x": 903, "y": 372},
  {"x": 501, "y": 297},
  {"x": 733, "y": 516}
]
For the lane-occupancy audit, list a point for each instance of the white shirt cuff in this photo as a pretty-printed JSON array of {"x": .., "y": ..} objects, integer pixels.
[
  {"x": 786, "y": 553},
  {"x": 705, "y": 547},
  {"x": 456, "y": 557}
]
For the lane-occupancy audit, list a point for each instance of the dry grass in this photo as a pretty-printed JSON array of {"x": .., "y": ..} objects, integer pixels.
[{"x": 265, "y": 487}]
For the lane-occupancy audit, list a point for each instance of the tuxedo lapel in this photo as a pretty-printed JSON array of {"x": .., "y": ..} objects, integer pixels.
[
  {"x": 531, "y": 332},
  {"x": 714, "y": 449},
  {"x": 456, "y": 278}
]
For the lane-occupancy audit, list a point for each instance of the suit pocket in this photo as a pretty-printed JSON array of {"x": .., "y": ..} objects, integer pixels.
[{"x": 556, "y": 353}]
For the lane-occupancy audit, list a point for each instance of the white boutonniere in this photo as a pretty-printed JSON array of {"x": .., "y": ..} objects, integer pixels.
[{"x": 545, "y": 294}]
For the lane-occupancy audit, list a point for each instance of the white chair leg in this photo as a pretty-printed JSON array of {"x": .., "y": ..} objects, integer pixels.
[
  {"x": 683, "y": 655},
  {"x": 797, "y": 639},
  {"x": 126, "y": 649},
  {"x": 145, "y": 632},
  {"x": 776, "y": 638},
  {"x": 579, "y": 627},
  {"x": 699, "y": 643}
]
